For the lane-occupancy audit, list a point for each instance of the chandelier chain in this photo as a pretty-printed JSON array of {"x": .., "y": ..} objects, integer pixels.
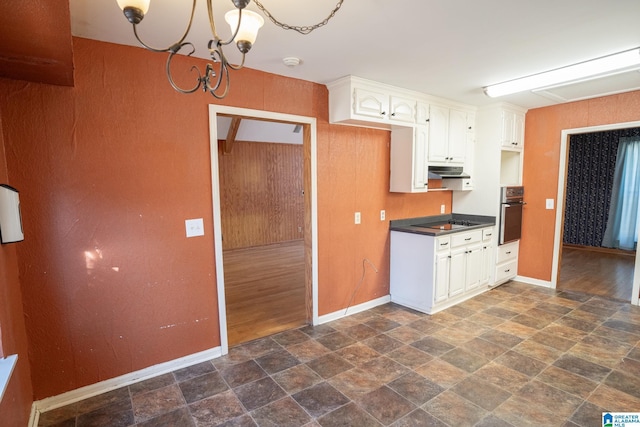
[{"x": 306, "y": 29}]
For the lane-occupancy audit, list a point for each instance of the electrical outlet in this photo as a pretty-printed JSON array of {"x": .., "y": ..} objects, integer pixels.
[
  {"x": 357, "y": 217},
  {"x": 442, "y": 208},
  {"x": 382, "y": 215},
  {"x": 195, "y": 227},
  {"x": 549, "y": 204}
]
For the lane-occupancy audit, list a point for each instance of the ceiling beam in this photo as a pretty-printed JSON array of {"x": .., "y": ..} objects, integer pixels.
[{"x": 231, "y": 135}]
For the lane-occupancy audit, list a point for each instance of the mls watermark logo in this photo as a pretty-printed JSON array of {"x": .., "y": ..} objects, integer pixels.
[{"x": 621, "y": 419}]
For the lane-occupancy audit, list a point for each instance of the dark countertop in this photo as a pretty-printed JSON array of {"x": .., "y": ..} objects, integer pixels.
[{"x": 410, "y": 225}]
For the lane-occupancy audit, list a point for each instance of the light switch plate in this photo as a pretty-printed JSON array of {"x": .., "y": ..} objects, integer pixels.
[
  {"x": 383, "y": 215},
  {"x": 549, "y": 203},
  {"x": 195, "y": 227},
  {"x": 357, "y": 218}
]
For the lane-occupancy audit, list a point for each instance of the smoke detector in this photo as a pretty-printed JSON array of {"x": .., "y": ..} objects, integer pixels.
[{"x": 291, "y": 61}]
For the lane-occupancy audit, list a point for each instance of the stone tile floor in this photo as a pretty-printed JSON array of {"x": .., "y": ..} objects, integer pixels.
[{"x": 517, "y": 355}]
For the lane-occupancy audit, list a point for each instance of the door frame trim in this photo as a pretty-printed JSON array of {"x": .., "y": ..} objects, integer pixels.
[
  {"x": 310, "y": 123},
  {"x": 562, "y": 175}
]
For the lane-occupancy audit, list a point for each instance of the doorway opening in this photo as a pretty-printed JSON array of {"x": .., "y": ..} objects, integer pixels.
[
  {"x": 585, "y": 266},
  {"x": 264, "y": 264}
]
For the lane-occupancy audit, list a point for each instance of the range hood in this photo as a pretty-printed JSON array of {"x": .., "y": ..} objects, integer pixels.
[{"x": 447, "y": 172}]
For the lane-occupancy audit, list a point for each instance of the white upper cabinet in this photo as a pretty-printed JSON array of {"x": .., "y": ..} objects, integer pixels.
[
  {"x": 512, "y": 130},
  {"x": 360, "y": 102},
  {"x": 422, "y": 113},
  {"x": 402, "y": 109},
  {"x": 408, "y": 161},
  {"x": 370, "y": 104},
  {"x": 448, "y": 136}
]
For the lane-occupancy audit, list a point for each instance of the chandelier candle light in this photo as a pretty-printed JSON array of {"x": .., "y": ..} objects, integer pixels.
[{"x": 244, "y": 27}]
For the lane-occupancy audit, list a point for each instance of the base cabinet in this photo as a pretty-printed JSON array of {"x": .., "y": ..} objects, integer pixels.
[
  {"x": 431, "y": 273},
  {"x": 506, "y": 262}
]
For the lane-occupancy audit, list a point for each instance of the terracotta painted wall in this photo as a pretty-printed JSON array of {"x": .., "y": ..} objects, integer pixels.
[
  {"x": 110, "y": 169},
  {"x": 543, "y": 129},
  {"x": 16, "y": 403}
]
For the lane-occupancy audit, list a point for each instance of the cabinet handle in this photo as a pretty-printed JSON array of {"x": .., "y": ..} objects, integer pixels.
[
  {"x": 444, "y": 244},
  {"x": 506, "y": 271},
  {"x": 467, "y": 239},
  {"x": 449, "y": 256},
  {"x": 489, "y": 234},
  {"x": 393, "y": 114},
  {"x": 383, "y": 113},
  {"x": 508, "y": 253},
  {"x": 426, "y": 120}
]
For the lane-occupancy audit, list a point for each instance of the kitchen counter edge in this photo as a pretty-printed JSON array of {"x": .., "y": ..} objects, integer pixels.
[{"x": 408, "y": 225}]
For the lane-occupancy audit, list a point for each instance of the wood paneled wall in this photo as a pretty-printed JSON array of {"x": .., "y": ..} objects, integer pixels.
[{"x": 261, "y": 194}]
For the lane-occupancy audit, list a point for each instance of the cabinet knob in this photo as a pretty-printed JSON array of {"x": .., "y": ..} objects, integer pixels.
[
  {"x": 506, "y": 271},
  {"x": 383, "y": 113},
  {"x": 393, "y": 114},
  {"x": 508, "y": 253},
  {"x": 427, "y": 120},
  {"x": 469, "y": 128}
]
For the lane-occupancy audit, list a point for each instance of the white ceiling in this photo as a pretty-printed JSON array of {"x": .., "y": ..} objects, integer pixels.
[{"x": 446, "y": 48}]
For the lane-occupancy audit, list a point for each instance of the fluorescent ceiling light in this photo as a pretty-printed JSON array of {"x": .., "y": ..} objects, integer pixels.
[{"x": 600, "y": 67}]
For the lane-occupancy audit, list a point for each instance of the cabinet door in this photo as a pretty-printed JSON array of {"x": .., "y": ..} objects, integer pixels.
[
  {"x": 402, "y": 109},
  {"x": 473, "y": 266},
  {"x": 518, "y": 130},
  {"x": 457, "y": 271},
  {"x": 507, "y": 129},
  {"x": 369, "y": 103},
  {"x": 420, "y": 167},
  {"x": 485, "y": 268},
  {"x": 438, "y": 133},
  {"x": 422, "y": 113},
  {"x": 441, "y": 292},
  {"x": 457, "y": 136}
]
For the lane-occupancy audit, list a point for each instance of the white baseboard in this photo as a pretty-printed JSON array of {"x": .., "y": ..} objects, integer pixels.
[
  {"x": 353, "y": 310},
  {"x": 532, "y": 281},
  {"x": 82, "y": 393}
]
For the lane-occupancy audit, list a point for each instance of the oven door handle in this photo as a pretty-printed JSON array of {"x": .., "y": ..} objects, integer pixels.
[{"x": 510, "y": 204}]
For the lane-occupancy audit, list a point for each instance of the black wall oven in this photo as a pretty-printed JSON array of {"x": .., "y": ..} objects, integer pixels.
[{"x": 512, "y": 202}]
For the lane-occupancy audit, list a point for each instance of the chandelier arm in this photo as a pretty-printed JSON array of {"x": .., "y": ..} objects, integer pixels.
[
  {"x": 201, "y": 79},
  {"x": 175, "y": 45},
  {"x": 239, "y": 66},
  {"x": 303, "y": 29},
  {"x": 217, "y": 56},
  {"x": 223, "y": 71}
]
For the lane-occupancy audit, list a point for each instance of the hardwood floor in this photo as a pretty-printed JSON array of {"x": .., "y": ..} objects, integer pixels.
[
  {"x": 597, "y": 273},
  {"x": 264, "y": 290}
]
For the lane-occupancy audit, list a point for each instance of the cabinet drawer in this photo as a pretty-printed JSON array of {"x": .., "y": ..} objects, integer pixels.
[
  {"x": 443, "y": 243},
  {"x": 507, "y": 270},
  {"x": 507, "y": 252},
  {"x": 487, "y": 234},
  {"x": 462, "y": 239}
]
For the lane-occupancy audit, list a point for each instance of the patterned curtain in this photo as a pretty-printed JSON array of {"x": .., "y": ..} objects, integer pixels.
[{"x": 592, "y": 161}]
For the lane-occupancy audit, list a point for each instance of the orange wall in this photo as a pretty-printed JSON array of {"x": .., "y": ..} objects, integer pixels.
[
  {"x": 16, "y": 403},
  {"x": 543, "y": 129},
  {"x": 108, "y": 172}
]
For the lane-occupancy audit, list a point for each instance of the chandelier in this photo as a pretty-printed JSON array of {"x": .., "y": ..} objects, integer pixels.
[{"x": 244, "y": 28}]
